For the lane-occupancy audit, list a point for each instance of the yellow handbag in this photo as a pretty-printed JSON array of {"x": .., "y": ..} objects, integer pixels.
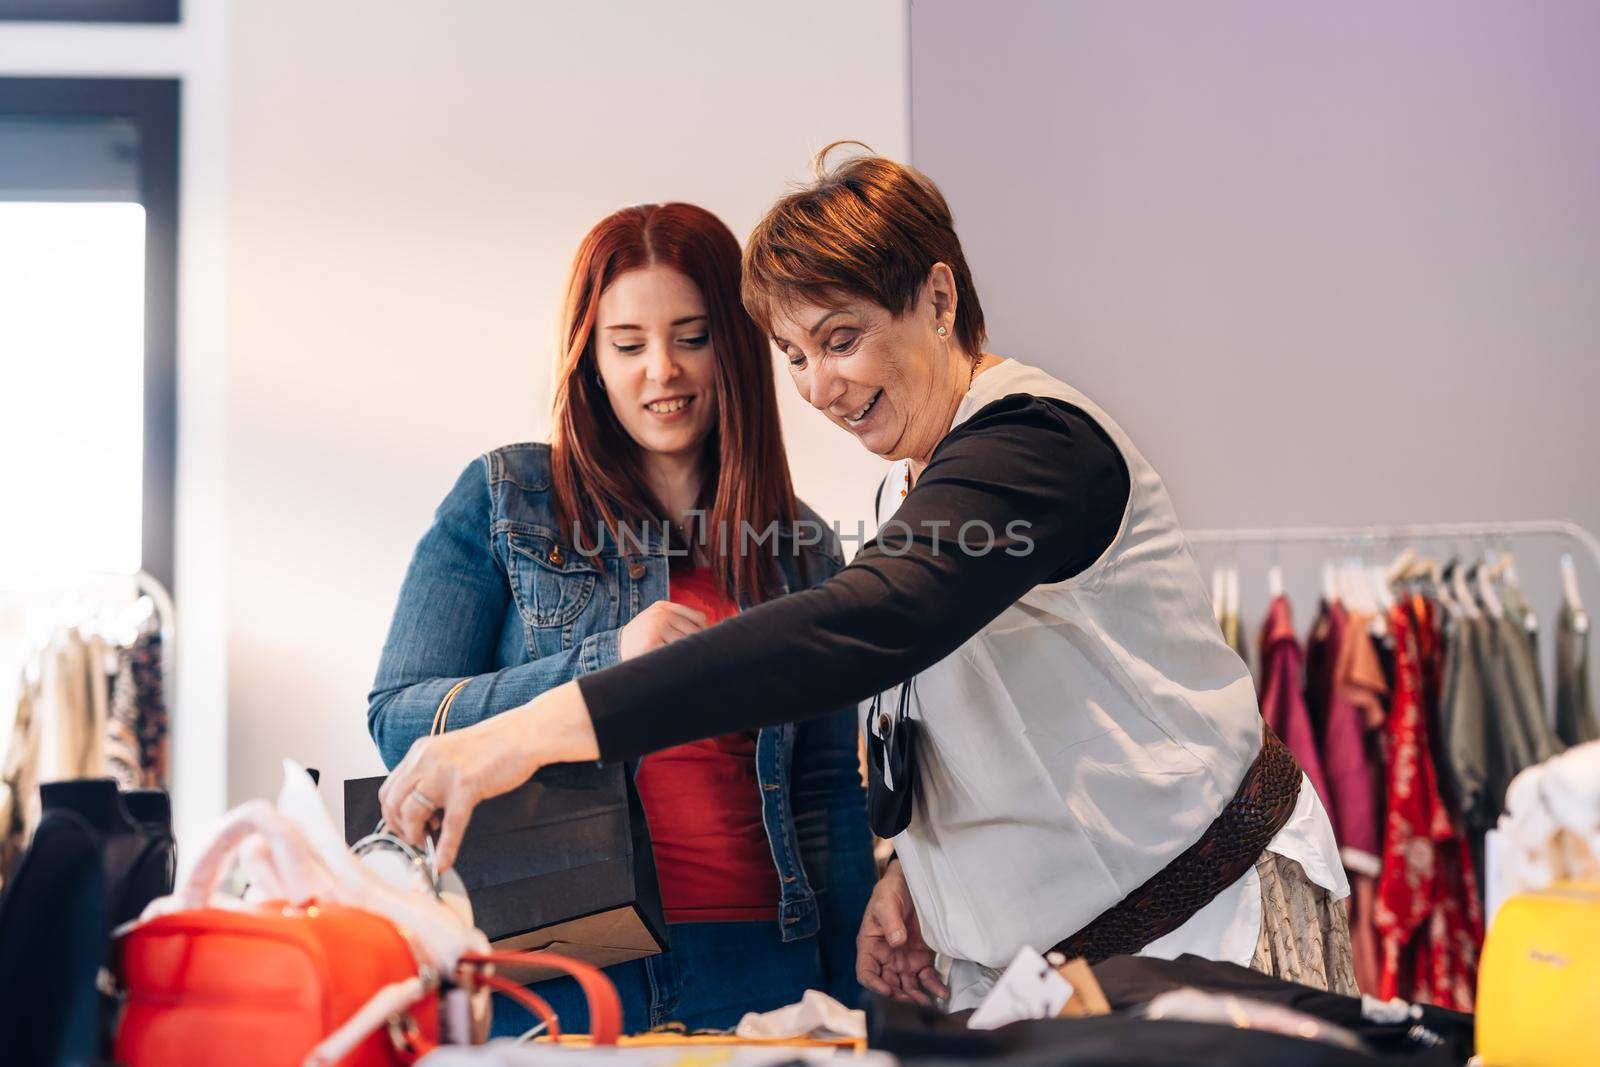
[{"x": 1539, "y": 980}]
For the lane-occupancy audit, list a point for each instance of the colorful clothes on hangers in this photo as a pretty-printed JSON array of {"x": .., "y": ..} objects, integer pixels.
[{"x": 136, "y": 747}]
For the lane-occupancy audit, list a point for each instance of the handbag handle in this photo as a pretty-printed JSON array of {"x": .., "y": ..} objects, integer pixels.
[
  {"x": 441, "y": 716},
  {"x": 605, "y": 1007},
  {"x": 391, "y": 1004},
  {"x": 293, "y": 857},
  {"x": 287, "y": 866}
]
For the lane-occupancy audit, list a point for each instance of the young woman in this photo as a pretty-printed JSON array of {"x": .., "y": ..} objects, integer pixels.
[{"x": 548, "y": 562}]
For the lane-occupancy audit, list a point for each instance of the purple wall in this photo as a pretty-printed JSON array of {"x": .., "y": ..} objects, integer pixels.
[{"x": 1332, "y": 263}]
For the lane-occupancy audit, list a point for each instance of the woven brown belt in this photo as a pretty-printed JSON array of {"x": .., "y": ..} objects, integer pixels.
[{"x": 1230, "y": 846}]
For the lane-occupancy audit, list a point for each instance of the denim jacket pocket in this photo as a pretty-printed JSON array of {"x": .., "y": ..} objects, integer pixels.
[{"x": 552, "y": 583}]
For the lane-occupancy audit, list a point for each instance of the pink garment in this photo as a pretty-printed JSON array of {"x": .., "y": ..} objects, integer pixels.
[
  {"x": 1345, "y": 747},
  {"x": 1283, "y": 703},
  {"x": 1350, "y": 745}
]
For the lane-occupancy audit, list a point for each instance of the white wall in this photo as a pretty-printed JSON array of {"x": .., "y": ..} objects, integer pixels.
[
  {"x": 1327, "y": 263},
  {"x": 196, "y": 52},
  {"x": 407, "y": 184}
]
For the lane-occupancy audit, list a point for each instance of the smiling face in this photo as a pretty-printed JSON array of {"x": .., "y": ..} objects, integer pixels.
[
  {"x": 653, "y": 350},
  {"x": 892, "y": 380}
]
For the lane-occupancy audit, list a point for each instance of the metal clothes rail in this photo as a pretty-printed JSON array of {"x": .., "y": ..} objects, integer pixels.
[{"x": 1372, "y": 536}]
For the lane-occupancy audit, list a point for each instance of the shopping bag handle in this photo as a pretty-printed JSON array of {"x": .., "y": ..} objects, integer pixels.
[
  {"x": 391, "y": 1004},
  {"x": 605, "y": 1007}
]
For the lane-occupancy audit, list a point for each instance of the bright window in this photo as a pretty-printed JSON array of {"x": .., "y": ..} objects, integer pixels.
[{"x": 72, "y": 287}]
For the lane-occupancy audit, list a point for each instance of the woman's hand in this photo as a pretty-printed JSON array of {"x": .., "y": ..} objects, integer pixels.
[
  {"x": 892, "y": 960},
  {"x": 659, "y": 624},
  {"x": 450, "y": 775}
]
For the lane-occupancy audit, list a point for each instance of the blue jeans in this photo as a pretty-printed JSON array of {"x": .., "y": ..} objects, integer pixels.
[{"x": 712, "y": 974}]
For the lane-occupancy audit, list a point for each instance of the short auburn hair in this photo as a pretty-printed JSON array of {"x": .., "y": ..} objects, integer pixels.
[{"x": 869, "y": 227}]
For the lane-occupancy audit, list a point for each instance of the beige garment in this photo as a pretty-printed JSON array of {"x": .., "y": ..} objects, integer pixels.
[
  {"x": 1305, "y": 935},
  {"x": 59, "y": 733},
  {"x": 19, "y": 789},
  {"x": 72, "y": 707}
]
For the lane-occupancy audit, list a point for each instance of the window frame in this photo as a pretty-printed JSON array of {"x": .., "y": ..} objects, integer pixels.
[
  {"x": 141, "y": 11},
  {"x": 153, "y": 104}
]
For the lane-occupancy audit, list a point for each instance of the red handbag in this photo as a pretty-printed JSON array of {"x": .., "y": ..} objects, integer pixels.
[
  {"x": 261, "y": 988},
  {"x": 268, "y": 986},
  {"x": 275, "y": 984}
]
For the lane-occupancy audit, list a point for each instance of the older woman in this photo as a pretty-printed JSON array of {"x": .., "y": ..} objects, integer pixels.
[{"x": 1089, "y": 767}]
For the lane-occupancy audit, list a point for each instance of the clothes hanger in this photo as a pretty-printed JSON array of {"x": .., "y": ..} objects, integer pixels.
[
  {"x": 1219, "y": 592},
  {"x": 1400, "y": 567},
  {"x": 1569, "y": 588},
  {"x": 1505, "y": 571},
  {"x": 1274, "y": 575},
  {"x": 1378, "y": 582},
  {"x": 1358, "y": 593},
  {"x": 1330, "y": 582},
  {"x": 1351, "y": 591},
  {"x": 1491, "y": 600},
  {"x": 1440, "y": 589},
  {"x": 1456, "y": 575},
  {"x": 1233, "y": 591}
]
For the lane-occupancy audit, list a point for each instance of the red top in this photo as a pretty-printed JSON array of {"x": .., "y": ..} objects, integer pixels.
[{"x": 703, "y": 804}]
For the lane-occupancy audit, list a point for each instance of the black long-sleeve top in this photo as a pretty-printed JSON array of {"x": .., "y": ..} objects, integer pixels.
[{"x": 1042, "y": 475}]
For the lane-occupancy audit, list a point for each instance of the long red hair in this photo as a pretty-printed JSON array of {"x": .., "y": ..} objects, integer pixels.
[{"x": 596, "y": 469}]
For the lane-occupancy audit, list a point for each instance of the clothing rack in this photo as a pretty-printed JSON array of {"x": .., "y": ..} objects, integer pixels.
[
  {"x": 149, "y": 585},
  {"x": 1372, "y": 536}
]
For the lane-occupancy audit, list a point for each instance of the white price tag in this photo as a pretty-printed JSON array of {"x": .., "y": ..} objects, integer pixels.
[{"x": 1029, "y": 989}]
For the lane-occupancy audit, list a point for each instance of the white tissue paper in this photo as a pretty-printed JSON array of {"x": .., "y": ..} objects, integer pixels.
[
  {"x": 1550, "y": 830},
  {"x": 817, "y": 1015}
]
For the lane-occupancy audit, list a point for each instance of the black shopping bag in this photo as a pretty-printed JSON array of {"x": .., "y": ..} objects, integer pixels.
[{"x": 562, "y": 863}]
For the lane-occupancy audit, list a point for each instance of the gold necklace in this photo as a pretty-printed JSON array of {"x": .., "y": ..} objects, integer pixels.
[{"x": 971, "y": 376}]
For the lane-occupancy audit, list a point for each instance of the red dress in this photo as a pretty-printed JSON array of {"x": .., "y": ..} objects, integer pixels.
[{"x": 1427, "y": 913}]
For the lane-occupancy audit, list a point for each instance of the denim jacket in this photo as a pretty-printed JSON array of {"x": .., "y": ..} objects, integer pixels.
[{"x": 495, "y": 595}]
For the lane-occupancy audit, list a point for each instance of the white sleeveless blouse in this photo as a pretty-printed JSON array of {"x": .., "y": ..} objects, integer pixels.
[{"x": 1082, "y": 740}]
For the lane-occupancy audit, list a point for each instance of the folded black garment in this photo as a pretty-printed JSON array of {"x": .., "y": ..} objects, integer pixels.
[
  {"x": 1129, "y": 981},
  {"x": 924, "y": 1037},
  {"x": 53, "y": 939},
  {"x": 1119, "y": 1040}
]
